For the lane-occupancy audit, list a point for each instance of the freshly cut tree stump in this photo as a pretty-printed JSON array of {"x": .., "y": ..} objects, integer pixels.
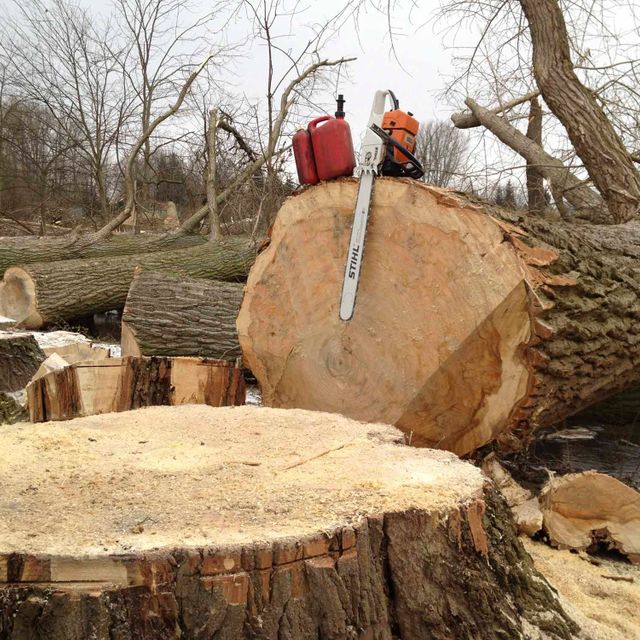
[
  {"x": 167, "y": 315},
  {"x": 471, "y": 322},
  {"x": 195, "y": 522},
  {"x": 121, "y": 384},
  {"x": 16, "y": 251},
  {"x": 20, "y": 358},
  {"x": 590, "y": 508},
  {"x": 43, "y": 293}
]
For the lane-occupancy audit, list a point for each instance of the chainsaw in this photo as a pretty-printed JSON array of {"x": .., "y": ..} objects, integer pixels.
[{"x": 386, "y": 150}]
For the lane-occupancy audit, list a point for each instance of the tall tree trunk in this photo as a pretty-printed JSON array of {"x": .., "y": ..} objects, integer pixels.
[
  {"x": 42, "y": 293},
  {"x": 597, "y": 144},
  {"x": 535, "y": 178},
  {"x": 239, "y": 523}
]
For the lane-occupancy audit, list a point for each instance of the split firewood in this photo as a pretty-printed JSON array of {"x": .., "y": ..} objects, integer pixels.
[
  {"x": 523, "y": 504},
  {"x": 589, "y": 508},
  {"x": 167, "y": 315},
  {"x": 471, "y": 323},
  {"x": 143, "y": 522},
  {"x": 120, "y": 384}
]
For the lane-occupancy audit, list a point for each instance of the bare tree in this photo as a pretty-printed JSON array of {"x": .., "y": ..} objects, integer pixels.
[
  {"x": 569, "y": 54},
  {"x": 443, "y": 151},
  {"x": 57, "y": 58}
]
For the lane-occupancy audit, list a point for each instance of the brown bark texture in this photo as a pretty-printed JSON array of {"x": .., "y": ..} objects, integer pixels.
[
  {"x": 535, "y": 178},
  {"x": 410, "y": 575},
  {"x": 17, "y": 251},
  {"x": 188, "y": 523},
  {"x": 472, "y": 323},
  {"x": 167, "y": 315},
  {"x": 43, "y": 293},
  {"x": 122, "y": 384},
  {"x": 592, "y": 135},
  {"x": 20, "y": 358}
]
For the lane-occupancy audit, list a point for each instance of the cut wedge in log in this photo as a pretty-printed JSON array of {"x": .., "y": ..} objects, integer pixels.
[
  {"x": 17, "y": 251},
  {"x": 39, "y": 294},
  {"x": 168, "y": 315},
  {"x": 590, "y": 508},
  {"x": 470, "y": 323},
  {"x": 20, "y": 358},
  {"x": 188, "y": 522},
  {"x": 120, "y": 384}
]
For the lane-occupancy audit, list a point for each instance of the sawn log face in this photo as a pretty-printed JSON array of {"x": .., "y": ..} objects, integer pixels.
[{"x": 471, "y": 322}]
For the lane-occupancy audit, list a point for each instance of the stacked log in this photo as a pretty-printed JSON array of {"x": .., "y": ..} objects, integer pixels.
[
  {"x": 43, "y": 293},
  {"x": 166, "y": 315},
  {"x": 17, "y": 251},
  {"x": 121, "y": 384},
  {"x": 188, "y": 522},
  {"x": 471, "y": 323}
]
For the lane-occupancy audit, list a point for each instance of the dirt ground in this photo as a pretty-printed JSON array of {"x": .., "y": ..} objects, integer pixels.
[{"x": 606, "y": 609}]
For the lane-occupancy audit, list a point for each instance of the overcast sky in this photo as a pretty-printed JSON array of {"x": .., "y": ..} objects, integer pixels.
[{"x": 416, "y": 78}]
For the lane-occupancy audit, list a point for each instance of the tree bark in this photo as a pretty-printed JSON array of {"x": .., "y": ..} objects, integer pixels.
[
  {"x": 535, "y": 179},
  {"x": 122, "y": 384},
  {"x": 39, "y": 294},
  {"x": 20, "y": 357},
  {"x": 238, "y": 539},
  {"x": 596, "y": 142},
  {"x": 166, "y": 315},
  {"x": 471, "y": 323},
  {"x": 18, "y": 251}
]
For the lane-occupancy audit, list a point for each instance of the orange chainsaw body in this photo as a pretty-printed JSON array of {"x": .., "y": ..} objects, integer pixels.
[{"x": 403, "y": 128}]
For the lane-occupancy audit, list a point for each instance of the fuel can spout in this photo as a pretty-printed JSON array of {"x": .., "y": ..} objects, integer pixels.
[{"x": 340, "y": 102}]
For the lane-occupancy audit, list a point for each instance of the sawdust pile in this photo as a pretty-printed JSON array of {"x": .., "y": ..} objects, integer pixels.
[
  {"x": 199, "y": 476},
  {"x": 606, "y": 609}
]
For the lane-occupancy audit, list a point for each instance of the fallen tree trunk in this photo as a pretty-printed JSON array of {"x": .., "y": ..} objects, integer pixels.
[
  {"x": 167, "y": 315},
  {"x": 20, "y": 358},
  {"x": 470, "y": 322},
  {"x": 18, "y": 251},
  {"x": 39, "y": 294},
  {"x": 189, "y": 523},
  {"x": 121, "y": 384}
]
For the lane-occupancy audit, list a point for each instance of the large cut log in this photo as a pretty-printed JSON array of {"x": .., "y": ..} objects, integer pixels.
[
  {"x": 470, "y": 322},
  {"x": 20, "y": 358},
  {"x": 588, "y": 509},
  {"x": 189, "y": 523},
  {"x": 40, "y": 294},
  {"x": 16, "y": 251},
  {"x": 121, "y": 384},
  {"x": 167, "y": 315}
]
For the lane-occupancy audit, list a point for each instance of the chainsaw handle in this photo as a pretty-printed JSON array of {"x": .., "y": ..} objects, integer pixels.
[
  {"x": 417, "y": 170},
  {"x": 314, "y": 123}
]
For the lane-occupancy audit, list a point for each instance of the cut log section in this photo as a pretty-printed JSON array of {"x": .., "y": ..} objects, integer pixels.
[
  {"x": 17, "y": 251},
  {"x": 590, "y": 508},
  {"x": 470, "y": 322},
  {"x": 188, "y": 522},
  {"x": 20, "y": 358},
  {"x": 120, "y": 384},
  {"x": 43, "y": 293},
  {"x": 177, "y": 316},
  {"x": 72, "y": 347}
]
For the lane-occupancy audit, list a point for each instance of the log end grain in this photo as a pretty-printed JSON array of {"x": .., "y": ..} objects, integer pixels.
[
  {"x": 442, "y": 318},
  {"x": 18, "y": 298}
]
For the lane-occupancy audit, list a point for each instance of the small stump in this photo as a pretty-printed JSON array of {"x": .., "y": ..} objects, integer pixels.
[{"x": 195, "y": 522}]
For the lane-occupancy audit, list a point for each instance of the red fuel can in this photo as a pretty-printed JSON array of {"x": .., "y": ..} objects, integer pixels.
[
  {"x": 332, "y": 147},
  {"x": 303, "y": 154}
]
